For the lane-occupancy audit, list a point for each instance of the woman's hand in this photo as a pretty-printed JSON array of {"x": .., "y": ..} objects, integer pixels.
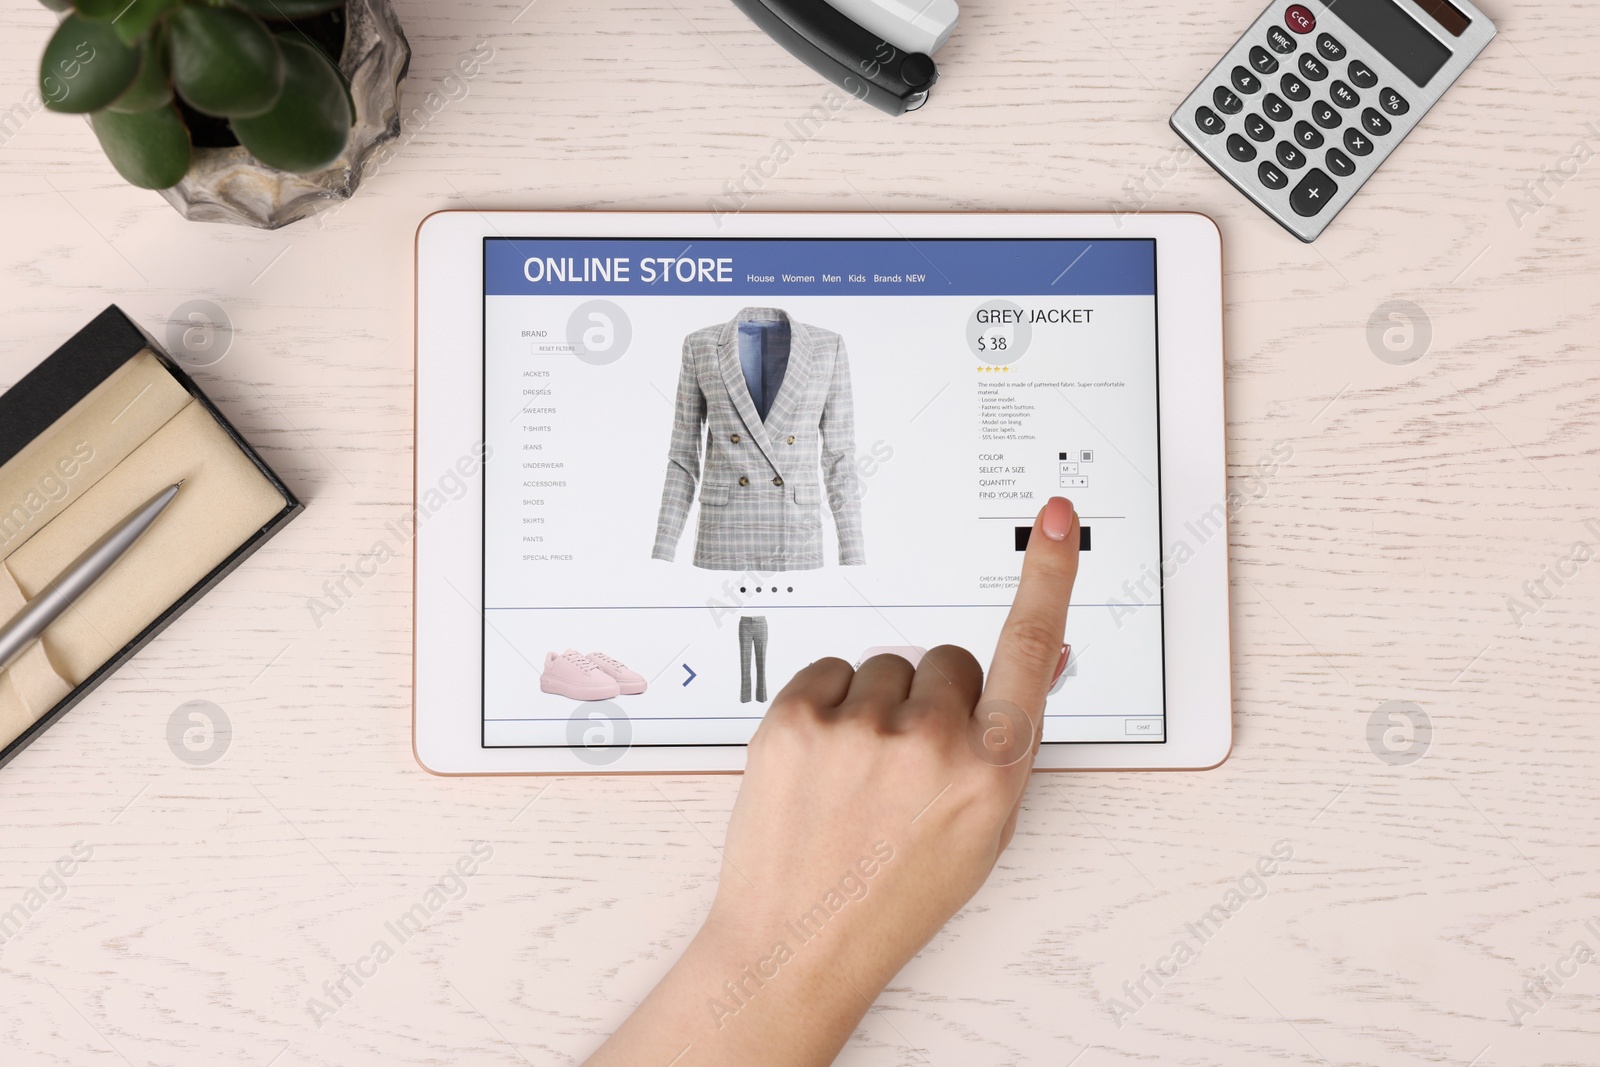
[{"x": 875, "y": 803}]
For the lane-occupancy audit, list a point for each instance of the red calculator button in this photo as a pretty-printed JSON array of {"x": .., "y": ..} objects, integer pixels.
[{"x": 1300, "y": 18}]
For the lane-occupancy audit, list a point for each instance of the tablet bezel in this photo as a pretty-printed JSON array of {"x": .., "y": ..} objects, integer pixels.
[{"x": 447, "y": 560}]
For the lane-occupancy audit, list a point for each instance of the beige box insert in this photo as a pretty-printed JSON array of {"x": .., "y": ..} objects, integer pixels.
[{"x": 136, "y": 433}]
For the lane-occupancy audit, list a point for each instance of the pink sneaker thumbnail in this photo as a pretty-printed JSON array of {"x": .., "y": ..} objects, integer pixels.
[
  {"x": 571, "y": 674},
  {"x": 631, "y": 683}
]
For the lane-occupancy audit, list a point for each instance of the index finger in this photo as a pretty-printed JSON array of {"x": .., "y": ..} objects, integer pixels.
[{"x": 1030, "y": 645}]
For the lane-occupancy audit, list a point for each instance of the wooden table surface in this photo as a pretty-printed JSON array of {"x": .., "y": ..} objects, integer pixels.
[{"x": 1393, "y": 558}]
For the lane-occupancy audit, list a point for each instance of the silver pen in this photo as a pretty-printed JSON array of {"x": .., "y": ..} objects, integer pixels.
[{"x": 54, "y": 599}]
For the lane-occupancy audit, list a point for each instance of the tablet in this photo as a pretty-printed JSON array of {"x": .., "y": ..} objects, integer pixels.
[{"x": 665, "y": 460}]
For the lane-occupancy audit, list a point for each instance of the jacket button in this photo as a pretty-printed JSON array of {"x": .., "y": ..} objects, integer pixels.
[
  {"x": 791, "y": 439},
  {"x": 744, "y": 481},
  {"x": 777, "y": 481},
  {"x": 734, "y": 438}
]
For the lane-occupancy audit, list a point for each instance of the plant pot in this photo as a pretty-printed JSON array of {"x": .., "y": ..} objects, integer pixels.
[{"x": 230, "y": 185}]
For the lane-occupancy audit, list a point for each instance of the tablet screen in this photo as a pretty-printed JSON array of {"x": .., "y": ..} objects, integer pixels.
[{"x": 709, "y": 463}]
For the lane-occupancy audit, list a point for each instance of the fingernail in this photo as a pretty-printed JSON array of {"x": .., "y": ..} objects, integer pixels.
[
  {"x": 1066, "y": 652},
  {"x": 1057, "y": 518}
]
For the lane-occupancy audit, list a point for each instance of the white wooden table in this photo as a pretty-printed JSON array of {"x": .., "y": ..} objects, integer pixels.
[{"x": 1375, "y": 565}]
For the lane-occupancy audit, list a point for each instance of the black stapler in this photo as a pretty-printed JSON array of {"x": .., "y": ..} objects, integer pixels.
[{"x": 854, "y": 58}]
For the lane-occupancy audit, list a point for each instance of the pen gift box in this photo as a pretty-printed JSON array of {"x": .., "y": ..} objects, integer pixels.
[{"x": 86, "y": 437}]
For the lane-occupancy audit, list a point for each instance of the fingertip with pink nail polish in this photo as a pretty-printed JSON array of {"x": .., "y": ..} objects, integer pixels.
[{"x": 1057, "y": 522}]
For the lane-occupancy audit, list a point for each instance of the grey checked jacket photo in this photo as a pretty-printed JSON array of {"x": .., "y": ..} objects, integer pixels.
[{"x": 762, "y": 481}]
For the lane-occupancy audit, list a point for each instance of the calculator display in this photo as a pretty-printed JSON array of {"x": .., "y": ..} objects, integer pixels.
[
  {"x": 1396, "y": 36},
  {"x": 1446, "y": 14}
]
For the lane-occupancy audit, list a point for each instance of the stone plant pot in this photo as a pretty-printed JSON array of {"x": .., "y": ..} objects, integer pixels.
[{"x": 227, "y": 184}]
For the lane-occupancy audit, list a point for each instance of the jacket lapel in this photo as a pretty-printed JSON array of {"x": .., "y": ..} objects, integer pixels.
[
  {"x": 738, "y": 392},
  {"x": 796, "y": 378}
]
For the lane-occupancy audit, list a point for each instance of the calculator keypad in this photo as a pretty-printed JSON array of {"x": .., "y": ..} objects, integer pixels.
[{"x": 1320, "y": 116}]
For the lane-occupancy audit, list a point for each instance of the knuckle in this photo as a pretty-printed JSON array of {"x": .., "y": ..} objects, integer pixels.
[
  {"x": 790, "y": 710},
  {"x": 857, "y": 707},
  {"x": 890, "y": 659},
  {"x": 1054, "y": 565},
  {"x": 921, "y": 715},
  {"x": 785, "y": 732},
  {"x": 1031, "y": 643},
  {"x": 953, "y": 658},
  {"x": 953, "y": 665}
]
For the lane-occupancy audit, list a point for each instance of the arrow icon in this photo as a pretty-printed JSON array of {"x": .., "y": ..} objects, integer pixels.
[{"x": 692, "y": 674}]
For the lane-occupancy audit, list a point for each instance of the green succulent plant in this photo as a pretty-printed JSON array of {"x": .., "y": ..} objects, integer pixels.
[{"x": 135, "y": 67}]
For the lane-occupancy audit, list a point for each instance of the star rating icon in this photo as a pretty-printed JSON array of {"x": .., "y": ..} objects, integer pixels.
[{"x": 994, "y": 370}]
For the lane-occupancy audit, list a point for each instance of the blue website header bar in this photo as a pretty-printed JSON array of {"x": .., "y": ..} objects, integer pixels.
[{"x": 528, "y": 266}]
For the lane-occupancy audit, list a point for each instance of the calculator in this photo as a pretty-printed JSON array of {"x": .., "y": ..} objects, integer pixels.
[{"x": 1312, "y": 99}]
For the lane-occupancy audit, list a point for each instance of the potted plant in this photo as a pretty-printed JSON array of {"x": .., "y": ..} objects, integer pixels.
[{"x": 247, "y": 111}]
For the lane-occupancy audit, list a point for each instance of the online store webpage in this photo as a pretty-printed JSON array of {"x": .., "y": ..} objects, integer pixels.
[{"x": 711, "y": 463}]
